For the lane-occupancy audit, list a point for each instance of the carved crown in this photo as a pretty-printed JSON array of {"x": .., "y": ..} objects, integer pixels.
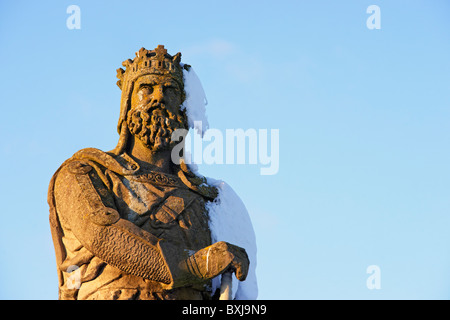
[{"x": 156, "y": 61}]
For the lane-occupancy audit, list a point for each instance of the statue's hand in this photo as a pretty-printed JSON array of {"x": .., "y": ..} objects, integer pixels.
[
  {"x": 218, "y": 258},
  {"x": 235, "y": 258}
]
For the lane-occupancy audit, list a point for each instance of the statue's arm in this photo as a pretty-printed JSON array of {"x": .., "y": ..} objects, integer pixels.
[{"x": 85, "y": 205}]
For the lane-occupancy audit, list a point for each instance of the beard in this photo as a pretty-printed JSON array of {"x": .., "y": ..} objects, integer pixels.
[{"x": 154, "y": 125}]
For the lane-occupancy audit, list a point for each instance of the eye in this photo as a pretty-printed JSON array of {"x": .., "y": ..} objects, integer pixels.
[
  {"x": 170, "y": 88},
  {"x": 146, "y": 89}
]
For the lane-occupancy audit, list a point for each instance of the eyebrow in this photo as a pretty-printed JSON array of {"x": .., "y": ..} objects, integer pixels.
[
  {"x": 147, "y": 83},
  {"x": 171, "y": 83},
  {"x": 152, "y": 83}
]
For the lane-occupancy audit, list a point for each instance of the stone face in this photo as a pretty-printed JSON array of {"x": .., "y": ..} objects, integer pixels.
[{"x": 130, "y": 223}]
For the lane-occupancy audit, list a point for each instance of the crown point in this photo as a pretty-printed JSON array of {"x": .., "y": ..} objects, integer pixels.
[
  {"x": 127, "y": 62},
  {"x": 177, "y": 58},
  {"x": 120, "y": 73},
  {"x": 141, "y": 52},
  {"x": 160, "y": 52}
]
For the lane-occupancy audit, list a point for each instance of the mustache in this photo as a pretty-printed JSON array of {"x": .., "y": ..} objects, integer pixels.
[{"x": 158, "y": 114}]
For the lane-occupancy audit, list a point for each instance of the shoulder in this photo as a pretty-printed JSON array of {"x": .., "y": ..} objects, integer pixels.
[
  {"x": 84, "y": 160},
  {"x": 78, "y": 167},
  {"x": 197, "y": 183},
  {"x": 80, "y": 185},
  {"x": 79, "y": 163},
  {"x": 84, "y": 163}
]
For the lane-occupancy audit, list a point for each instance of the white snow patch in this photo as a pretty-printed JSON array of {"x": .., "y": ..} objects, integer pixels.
[
  {"x": 230, "y": 222},
  {"x": 195, "y": 102}
]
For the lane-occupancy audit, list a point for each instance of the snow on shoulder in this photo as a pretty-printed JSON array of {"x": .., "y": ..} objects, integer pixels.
[{"x": 230, "y": 222}]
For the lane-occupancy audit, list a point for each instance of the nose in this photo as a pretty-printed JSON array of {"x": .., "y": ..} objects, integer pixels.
[{"x": 158, "y": 95}]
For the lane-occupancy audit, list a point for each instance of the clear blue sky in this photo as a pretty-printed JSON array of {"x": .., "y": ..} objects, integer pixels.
[{"x": 363, "y": 116}]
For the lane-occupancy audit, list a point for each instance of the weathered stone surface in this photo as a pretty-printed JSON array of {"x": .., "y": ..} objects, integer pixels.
[{"x": 130, "y": 223}]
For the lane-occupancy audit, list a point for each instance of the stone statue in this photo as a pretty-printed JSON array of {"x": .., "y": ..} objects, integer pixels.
[{"x": 130, "y": 223}]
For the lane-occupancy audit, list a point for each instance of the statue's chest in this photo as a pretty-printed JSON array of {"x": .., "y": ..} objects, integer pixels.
[{"x": 163, "y": 209}]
